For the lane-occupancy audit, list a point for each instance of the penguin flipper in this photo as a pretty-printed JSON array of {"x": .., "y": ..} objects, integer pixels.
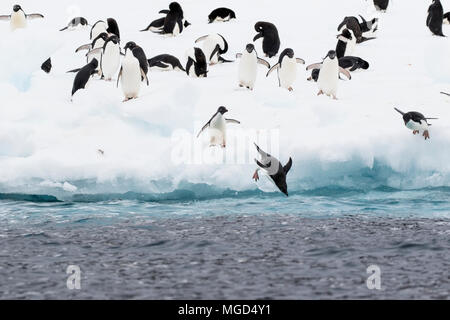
[
  {"x": 201, "y": 39},
  {"x": 273, "y": 68},
  {"x": 203, "y": 129},
  {"x": 118, "y": 77},
  {"x": 314, "y": 66},
  {"x": 345, "y": 73},
  {"x": 94, "y": 51},
  {"x": 63, "y": 29},
  {"x": 447, "y": 94},
  {"x": 84, "y": 47},
  {"x": 74, "y": 70},
  {"x": 216, "y": 50},
  {"x": 34, "y": 16},
  {"x": 299, "y": 60},
  {"x": 288, "y": 166},
  {"x": 399, "y": 111},
  {"x": 165, "y": 11},
  {"x": 238, "y": 55},
  {"x": 259, "y": 35},
  {"x": 264, "y": 63},
  {"x": 233, "y": 121},
  {"x": 144, "y": 77},
  {"x": 5, "y": 18}
]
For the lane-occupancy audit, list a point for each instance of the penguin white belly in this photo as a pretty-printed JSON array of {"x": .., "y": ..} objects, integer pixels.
[
  {"x": 208, "y": 47},
  {"x": 18, "y": 20},
  {"x": 248, "y": 70},
  {"x": 422, "y": 126},
  {"x": 110, "y": 62},
  {"x": 176, "y": 30},
  {"x": 217, "y": 131},
  {"x": 288, "y": 73},
  {"x": 131, "y": 77},
  {"x": 328, "y": 77},
  {"x": 220, "y": 19},
  {"x": 350, "y": 48},
  {"x": 192, "y": 71},
  {"x": 99, "y": 28}
]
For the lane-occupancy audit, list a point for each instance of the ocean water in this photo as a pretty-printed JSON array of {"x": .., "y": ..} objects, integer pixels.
[{"x": 315, "y": 244}]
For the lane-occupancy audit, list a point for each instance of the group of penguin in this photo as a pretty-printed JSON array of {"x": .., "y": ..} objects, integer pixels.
[{"x": 104, "y": 58}]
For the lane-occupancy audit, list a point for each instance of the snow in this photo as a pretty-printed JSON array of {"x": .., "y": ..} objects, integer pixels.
[{"x": 149, "y": 144}]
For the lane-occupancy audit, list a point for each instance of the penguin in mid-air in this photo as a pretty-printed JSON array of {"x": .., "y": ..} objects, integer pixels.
[
  {"x": 346, "y": 43},
  {"x": 221, "y": 15},
  {"x": 165, "y": 62},
  {"x": 273, "y": 168},
  {"x": 84, "y": 75},
  {"x": 349, "y": 63},
  {"x": 287, "y": 69},
  {"x": 217, "y": 126},
  {"x": 329, "y": 74},
  {"x": 416, "y": 122},
  {"x": 381, "y": 5},
  {"x": 271, "y": 40},
  {"x": 435, "y": 18},
  {"x": 18, "y": 18},
  {"x": 196, "y": 65},
  {"x": 133, "y": 71},
  {"x": 76, "y": 23},
  {"x": 109, "y": 57},
  {"x": 248, "y": 67},
  {"x": 359, "y": 29},
  {"x": 446, "y": 19},
  {"x": 214, "y": 46}
]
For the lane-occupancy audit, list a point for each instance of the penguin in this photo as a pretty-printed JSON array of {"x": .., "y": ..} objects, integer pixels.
[
  {"x": 165, "y": 62},
  {"x": 97, "y": 43},
  {"x": 218, "y": 128},
  {"x": 75, "y": 23},
  {"x": 47, "y": 65},
  {"x": 84, "y": 75},
  {"x": 133, "y": 71},
  {"x": 214, "y": 45},
  {"x": 381, "y": 5},
  {"x": 445, "y": 93},
  {"x": 346, "y": 43},
  {"x": 98, "y": 28},
  {"x": 446, "y": 18},
  {"x": 359, "y": 29},
  {"x": 109, "y": 57},
  {"x": 113, "y": 27},
  {"x": 158, "y": 25},
  {"x": 248, "y": 67},
  {"x": 173, "y": 23},
  {"x": 435, "y": 18},
  {"x": 221, "y": 15},
  {"x": 329, "y": 74},
  {"x": 276, "y": 172},
  {"x": 416, "y": 122},
  {"x": 287, "y": 69},
  {"x": 196, "y": 65},
  {"x": 271, "y": 39},
  {"x": 349, "y": 63},
  {"x": 18, "y": 18}
]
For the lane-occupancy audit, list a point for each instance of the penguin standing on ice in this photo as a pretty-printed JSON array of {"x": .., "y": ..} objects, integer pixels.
[
  {"x": 214, "y": 46},
  {"x": 346, "y": 43},
  {"x": 248, "y": 67},
  {"x": 287, "y": 69},
  {"x": 84, "y": 75},
  {"x": 109, "y": 57},
  {"x": 133, "y": 71},
  {"x": 165, "y": 62},
  {"x": 272, "y": 167},
  {"x": 18, "y": 18},
  {"x": 221, "y": 15},
  {"x": 416, "y": 122},
  {"x": 435, "y": 18},
  {"x": 217, "y": 126},
  {"x": 196, "y": 65},
  {"x": 329, "y": 74},
  {"x": 271, "y": 39}
]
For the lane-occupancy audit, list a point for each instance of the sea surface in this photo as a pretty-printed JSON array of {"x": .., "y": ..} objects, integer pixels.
[{"x": 316, "y": 244}]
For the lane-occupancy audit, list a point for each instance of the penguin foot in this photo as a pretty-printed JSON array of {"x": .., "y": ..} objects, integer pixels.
[
  {"x": 426, "y": 135},
  {"x": 256, "y": 176},
  {"x": 320, "y": 93},
  {"x": 290, "y": 89},
  {"x": 416, "y": 132},
  {"x": 334, "y": 97},
  {"x": 241, "y": 85},
  {"x": 223, "y": 146}
]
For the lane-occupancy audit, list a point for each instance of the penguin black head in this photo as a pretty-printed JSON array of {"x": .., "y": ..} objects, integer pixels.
[
  {"x": 113, "y": 27},
  {"x": 94, "y": 63},
  {"x": 331, "y": 54},
  {"x": 289, "y": 52},
  {"x": 346, "y": 34},
  {"x": 114, "y": 39},
  {"x": 17, "y": 8},
  {"x": 222, "y": 110},
  {"x": 175, "y": 7},
  {"x": 130, "y": 45},
  {"x": 364, "y": 65},
  {"x": 232, "y": 14},
  {"x": 250, "y": 48}
]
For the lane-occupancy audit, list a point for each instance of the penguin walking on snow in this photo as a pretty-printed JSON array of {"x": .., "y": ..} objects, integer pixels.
[
  {"x": 272, "y": 167},
  {"x": 416, "y": 122},
  {"x": 217, "y": 126},
  {"x": 133, "y": 71},
  {"x": 346, "y": 43},
  {"x": 18, "y": 18},
  {"x": 248, "y": 67},
  {"x": 271, "y": 39},
  {"x": 329, "y": 74},
  {"x": 109, "y": 57},
  {"x": 435, "y": 18},
  {"x": 214, "y": 46},
  {"x": 196, "y": 65},
  {"x": 76, "y": 23},
  {"x": 165, "y": 62},
  {"x": 287, "y": 69},
  {"x": 84, "y": 75},
  {"x": 221, "y": 15}
]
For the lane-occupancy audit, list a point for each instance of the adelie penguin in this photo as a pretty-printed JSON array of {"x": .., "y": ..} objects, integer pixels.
[
  {"x": 109, "y": 57},
  {"x": 435, "y": 18},
  {"x": 110, "y": 27},
  {"x": 18, "y": 18},
  {"x": 217, "y": 126},
  {"x": 196, "y": 65},
  {"x": 360, "y": 29},
  {"x": 416, "y": 122},
  {"x": 248, "y": 66},
  {"x": 76, "y": 23},
  {"x": 97, "y": 43},
  {"x": 133, "y": 71},
  {"x": 174, "y": 21},
  {"x": 221, "y": 15},
  {"x": 329, "y": 74},
  {"x": 84, "y": 75},
  {"x": 165, "y": 62},
  {"x": 271, "y": 39},
  {"x": 346, "y": 43},
  {"x": 349, "y": 63},
  {"x": 157, "y": 25},
  {"x": 214, "y": 46},
  {"x": 381, "y": 5},
  {"x": 287, "y": 69},
  {"x": 273, "y": 168}
]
